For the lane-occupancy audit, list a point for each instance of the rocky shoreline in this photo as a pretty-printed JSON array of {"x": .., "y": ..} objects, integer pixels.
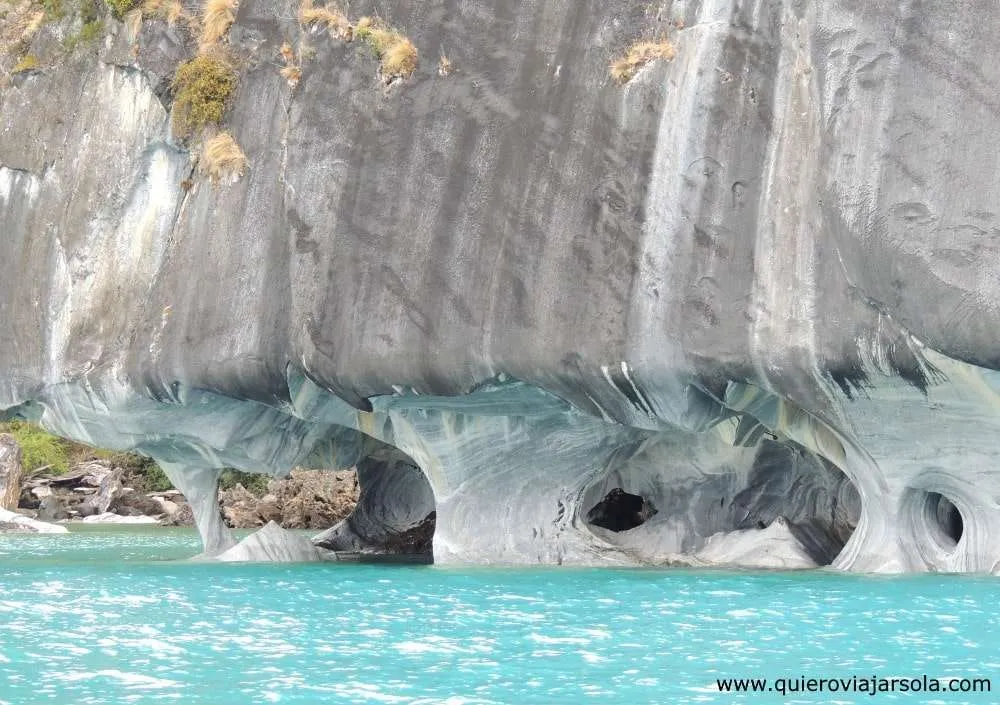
[{"x": 104, "y": 491}]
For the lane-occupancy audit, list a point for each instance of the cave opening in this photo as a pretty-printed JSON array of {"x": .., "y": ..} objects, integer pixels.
[
  {"x": 817, "y": 502},
  {"x": 395, "y": 516},
  {"x": 621, "y": 511},
  {"x": 946, "y": 518}
]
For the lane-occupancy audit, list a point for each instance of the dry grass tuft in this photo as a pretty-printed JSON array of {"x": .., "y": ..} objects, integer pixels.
[
  {"x": 133, "y": 23},
  {"x": 444, "y": 66},
  {"x": 169, "y": 10},
  {"x": 396, "y": 53},
  {"x": 292, "y": 74},
  {"x": 33, "y": 24},
  {"x": 363, "y": 28},
  {"x": 334, "y": 20},
  {"x": 399, "y": 59},
  {"x": 222, "y": 158},
  {"x": 625, "y": 68},
  {"x": 18, "y": 25},
  {"x": 28, "y": 62},
  {"x": 216, "y": 18}
]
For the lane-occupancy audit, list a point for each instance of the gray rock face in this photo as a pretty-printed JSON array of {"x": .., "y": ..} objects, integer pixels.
[
  {"x": 759, "y": 282},
  {"x": 274, "y": 544},
  {"x": 10, "y": 472}
]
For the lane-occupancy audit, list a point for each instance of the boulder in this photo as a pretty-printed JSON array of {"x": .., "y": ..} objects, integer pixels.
[
  {"x": 101, "y": 497},
  {"x": 772, "y": 547},
  {"x": 183, "y": 517},
  {"x": 10, "y": 471},
  {"x": 274, "y": 544},
  {"x": 131, "y": 503},
  {"x": 53, "y": 508},
  {"x": 239, "y": 508},
  {"x": 168, "y": 508},
  {"x": 11, "y": 521}
]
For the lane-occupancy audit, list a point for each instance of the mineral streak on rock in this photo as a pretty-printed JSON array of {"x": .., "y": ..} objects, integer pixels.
[{"x": 757, "y": 286}]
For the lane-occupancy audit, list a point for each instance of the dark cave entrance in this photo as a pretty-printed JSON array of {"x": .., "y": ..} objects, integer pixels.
[
  {"x": 395, "y": 516},
  {"x": 819, "y": 503},
  {"x": 945, "y": 518},
  {"x": 620, "y": 511}
]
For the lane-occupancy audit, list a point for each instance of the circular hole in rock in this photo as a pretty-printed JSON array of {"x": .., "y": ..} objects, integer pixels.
[{"x": 620, "y": 511}]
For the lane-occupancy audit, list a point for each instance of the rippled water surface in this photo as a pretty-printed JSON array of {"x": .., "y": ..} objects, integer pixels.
[{"x": 109, "y": 616}]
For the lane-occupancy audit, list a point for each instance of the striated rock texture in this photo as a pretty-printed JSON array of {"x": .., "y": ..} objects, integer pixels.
[
  {"x": 757, "y": 287},
  {"x": 10, "y": 472}
]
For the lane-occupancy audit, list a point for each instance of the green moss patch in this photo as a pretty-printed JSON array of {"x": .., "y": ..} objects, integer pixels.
[
  {"x": 120, "y": 7},
  {"x": 40, "y": 450},
  {"x": 201, "y": 87}
]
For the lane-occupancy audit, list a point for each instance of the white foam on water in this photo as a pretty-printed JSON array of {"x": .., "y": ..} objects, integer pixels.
[
  {"x": 366, "y": 691},
  {"x": 543, "y": 639},
  {"x": 373, "y": 632},
  {"x": 157, "y": 646},
  {"x": 506, "y": 597},
  {"x": 129, "y": 680},
  {"x": 63, "y": 647}
]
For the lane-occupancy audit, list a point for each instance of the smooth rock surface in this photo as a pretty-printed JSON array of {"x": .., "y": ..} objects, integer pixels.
[
  {"x": 759, "y": 280},
  {"x": 274, "y": 544},
  {"x": 774, "y": 547}
]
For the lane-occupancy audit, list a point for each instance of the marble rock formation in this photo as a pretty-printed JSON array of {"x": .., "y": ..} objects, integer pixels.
[
  {"x": 746, "y": 304},
  {"x": 10, "y": 472}
]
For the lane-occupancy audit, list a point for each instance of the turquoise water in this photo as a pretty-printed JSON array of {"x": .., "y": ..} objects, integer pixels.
[{"x": 94, "y": 618}]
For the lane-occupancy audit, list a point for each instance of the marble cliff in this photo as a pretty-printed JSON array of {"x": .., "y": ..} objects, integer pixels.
[{"x": 742, "y": 309}]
